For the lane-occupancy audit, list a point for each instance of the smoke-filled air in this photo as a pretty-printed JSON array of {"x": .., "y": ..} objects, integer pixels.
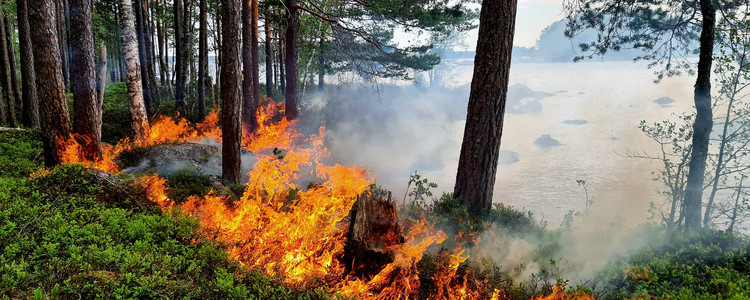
[{"x": 374, "y": 149}]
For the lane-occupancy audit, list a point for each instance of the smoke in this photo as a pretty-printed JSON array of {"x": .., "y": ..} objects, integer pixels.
[{"x": 589, "y": 112}]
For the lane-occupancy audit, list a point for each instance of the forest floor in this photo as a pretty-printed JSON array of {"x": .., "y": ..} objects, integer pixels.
[{"x": 70, "y": 232}]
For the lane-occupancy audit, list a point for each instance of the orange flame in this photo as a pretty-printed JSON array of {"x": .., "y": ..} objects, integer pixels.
[
  {"x": 156, "y": 192},
  {"x": 559, "y": 294},
  {"x": 165, "y": 130},
  {"x": 282, "y": 229}
]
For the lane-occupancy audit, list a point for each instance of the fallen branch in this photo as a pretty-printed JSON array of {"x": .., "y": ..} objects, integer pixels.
[{"x": 10, "y": 129}]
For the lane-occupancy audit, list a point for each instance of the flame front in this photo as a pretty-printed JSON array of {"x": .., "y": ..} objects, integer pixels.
[
  {"x": 288, "y": 231},
  {"x": 163, "y": 131}
]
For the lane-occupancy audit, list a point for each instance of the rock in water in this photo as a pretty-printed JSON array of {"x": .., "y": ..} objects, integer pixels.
[
  {"x": 546, "y": 141},
  {"x": 507, "y": 157},
  {"x": 664, "y": 101},
  {"x": 576, "y": 122},
  {"x": 373, "y": 229}
]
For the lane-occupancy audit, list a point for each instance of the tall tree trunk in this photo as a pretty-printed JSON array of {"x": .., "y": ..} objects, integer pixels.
[
  {"x": 63, "y": 44},
  {"x": 255, "y": 62},
  {"x": 28, "y": 77},
  {"x": 292, "y": 24},
  {"x": 3, "y": 117},
  {"x": 219, "y": 45},
  {"x": 150, "y": 13},
  {"x": 120, "y": 56},
  {"x": 269, "y": 55},
  {"x": 139, "y": 119},
  {"x": 477, "y": 164},
  {"x": 276, "y": 81},
  {"x": 202, "y": 58},
  {"x": 179, "y": 72},
  {"x": 231, "y": 95},
  {"x": 101, "y": 79},
  {"x": 321, "y": 62},
  {"x": 282, "y": 76},
  {"x": 12, "y": 60},
  {"x": 703, "y": 120},
  {"x": 143, "y": 50},
  {"x": 5, "y": 76},
  {"x": 163, "y": 72},
  {"x": 55, "y": 120},
  {"x": 249, "y": 37},
  {"x": 87, "y": 117},
  {"x": 187, "y": 46},
  {"x": 150, "y": 56}
]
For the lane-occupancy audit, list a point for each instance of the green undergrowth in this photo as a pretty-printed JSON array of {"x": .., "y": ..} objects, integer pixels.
[
  {"x": 660, "y": 262},
  {"x": 706, "y": 265},
  {"x": 73, "y": 235},
  {"x": 70, "y": 235},
  {"x": 20, "y": 153}
]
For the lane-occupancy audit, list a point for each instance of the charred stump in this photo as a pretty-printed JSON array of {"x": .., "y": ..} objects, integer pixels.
[{"x": 373, "y": 230}]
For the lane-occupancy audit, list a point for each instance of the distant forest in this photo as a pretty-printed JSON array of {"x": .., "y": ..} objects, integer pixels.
[{"x": 553, "y": 46}]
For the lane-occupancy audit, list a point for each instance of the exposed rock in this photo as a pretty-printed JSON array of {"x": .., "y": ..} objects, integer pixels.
[
  {"x": 546, "y": 141},
  {"x": 167, "y": 159}
]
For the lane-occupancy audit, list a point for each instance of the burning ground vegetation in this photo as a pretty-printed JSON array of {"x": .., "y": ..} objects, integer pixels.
[{"x": 339, "y": 232}]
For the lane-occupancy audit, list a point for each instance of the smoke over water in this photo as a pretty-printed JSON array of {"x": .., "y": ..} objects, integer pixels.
[{"x": 563, "y": 122}]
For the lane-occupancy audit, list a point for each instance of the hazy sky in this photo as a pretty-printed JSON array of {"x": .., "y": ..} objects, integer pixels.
[{"x": 532, "y": 17}]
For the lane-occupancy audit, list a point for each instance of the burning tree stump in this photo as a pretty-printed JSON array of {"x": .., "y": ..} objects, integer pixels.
[{"x": 373, "y": 230}]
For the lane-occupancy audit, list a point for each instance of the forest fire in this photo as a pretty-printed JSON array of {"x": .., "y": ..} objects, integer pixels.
[
  {"x": 163, "y": 131},
  {"x": 288, "y": 231}
]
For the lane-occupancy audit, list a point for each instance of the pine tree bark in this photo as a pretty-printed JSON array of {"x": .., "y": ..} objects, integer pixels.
[
  {"x": 292, "y": 23},
  {"x": 219, "y": 45},
  {"x": 101, "y": 79},
  {"x": 55, "y": 120},
  {"x": 282, "y": 76},
  {"x": 178, "y": 68},
  {"x": 187, "y": 46},
  {"x": 202, "y": 57},
  {"x": 87, "y": 117},
  {"x": 143, "y": 50},
  {"x": 3, "y": 117},
  {"x": 477, "y": 165},
  {"x": 249, "y": 41},
  {"x": 231, "y": 95},
  {"x": 28, "y": 77},
  {"x": 149, "y": 75},
  {"x": 269, "y": 55},
  {"x": 12, "y": 60},
  {"x": 5, "y": 76},
  {"x": 703, "y": 120},
  {"x": 121, "y": 55},
  {"x": 139, "y": 119},
  {"x": 163, "y": 69},
  {"x": 255, "y": 61},
  {"x": 63, "y": 43}
]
